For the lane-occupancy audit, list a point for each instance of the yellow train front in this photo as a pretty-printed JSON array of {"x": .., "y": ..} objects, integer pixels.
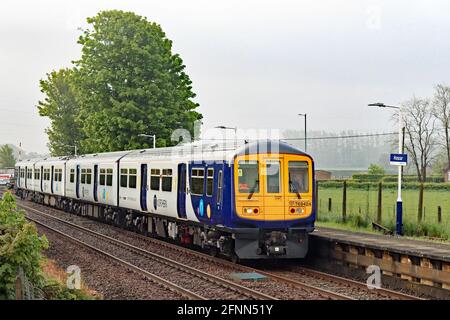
[{"x": 273, "y": 201}]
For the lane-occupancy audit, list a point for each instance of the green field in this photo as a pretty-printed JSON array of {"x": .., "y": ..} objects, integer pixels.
[{"x": 362, "y": 206}]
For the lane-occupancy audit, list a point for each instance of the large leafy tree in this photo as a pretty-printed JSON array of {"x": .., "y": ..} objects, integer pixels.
[
  {"x": 7, "y": 158},
  {"x": 61, "y": 107},
  {"x": 129, "y": 83}
]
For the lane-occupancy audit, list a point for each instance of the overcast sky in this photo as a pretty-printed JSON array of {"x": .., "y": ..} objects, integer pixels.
[{"x": 254, "y": 64}]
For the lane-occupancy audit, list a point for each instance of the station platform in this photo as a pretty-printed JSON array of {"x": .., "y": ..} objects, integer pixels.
[
  {"x": 421, "y": 248},
  {"x": 420, "y": 261}
]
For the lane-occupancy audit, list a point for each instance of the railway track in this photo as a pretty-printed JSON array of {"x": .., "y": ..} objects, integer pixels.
[
  {"x": 211, "y": 282},
  {"x": 320, "y": 285}
]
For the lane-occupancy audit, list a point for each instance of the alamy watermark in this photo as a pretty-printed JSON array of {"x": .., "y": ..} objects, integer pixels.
[{"x": 374, "y": 280}]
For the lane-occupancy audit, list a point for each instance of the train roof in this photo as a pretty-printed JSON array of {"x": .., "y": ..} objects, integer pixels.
[{"x": 192, "y": 151}]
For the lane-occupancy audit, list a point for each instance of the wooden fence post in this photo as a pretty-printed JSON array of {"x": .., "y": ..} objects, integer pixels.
[
  {"x": 344, "y": 201},
  {"x": 439, "y": 214},
  {"x": 317, "y": 200},
  {"x": 329, "y": 204},
  {"x": 420, "y": 207},
  {"x": 380, "y": 194}
]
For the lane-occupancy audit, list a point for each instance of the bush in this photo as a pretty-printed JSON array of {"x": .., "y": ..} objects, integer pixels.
[{"x": 20, "y": 247}]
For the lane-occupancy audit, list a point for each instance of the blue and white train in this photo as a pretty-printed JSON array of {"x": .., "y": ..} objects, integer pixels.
[{"x": 251, "y": 202}]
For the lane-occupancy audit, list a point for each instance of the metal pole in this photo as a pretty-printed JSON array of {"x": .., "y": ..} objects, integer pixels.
[
  {"x": 154, "y": 141},
  {"x": 305, "y": 134},
  {"x": 75, "y": 151},
  {"x": 399, "y": 222}
]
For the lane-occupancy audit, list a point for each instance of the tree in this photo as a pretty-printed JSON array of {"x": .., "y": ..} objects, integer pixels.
[
  {"x": 61, "y": 107},
  {"x": 420, "y": 130},
  {"x": 376, "y": 169},
  {"x": 7, "y": 158},
  {"x": 441, "y": 110},
  {"x": 129, "y": 82}
]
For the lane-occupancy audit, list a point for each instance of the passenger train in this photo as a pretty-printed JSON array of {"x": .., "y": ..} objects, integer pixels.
[{"x": 255, "y": 201}]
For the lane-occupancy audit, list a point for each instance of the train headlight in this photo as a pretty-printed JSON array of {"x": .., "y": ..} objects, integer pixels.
[{"x": 248, "y": 210}]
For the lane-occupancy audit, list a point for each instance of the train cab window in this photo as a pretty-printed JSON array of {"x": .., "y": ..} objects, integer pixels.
[
  {"x": 109, "y": 177},
  {"x": 273, "y": 176},
  {"x": 132, "y": 178},
  {"x": 298, "y": 177},
  {"x": 123, "y": 178},
  {"x": 102, "y": 180},
  {"x": 210, "y": 182},
  {"x": 197, "y": 181},
  {"x": 248, "y": 176},
  {"x": 72, "y": 175},
  {"x": 154, "y": 179},
  {"x": 219, "y": 186},
  {"x": 166, "y": 180}
]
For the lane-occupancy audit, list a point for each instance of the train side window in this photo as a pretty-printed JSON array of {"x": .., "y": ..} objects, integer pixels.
[
  {"x": 88, "y": 176},
  {"x": 219, "y": 186},
  {"x": 197, "y": 181},
  {"x": 166, "y": 183},
  {"x": 102, "y": 179},
  {"x": 109, "y": 177},
  {"x": 72, "y": 175},
  {"x": 83, "y": 175},
  {"x": 154, "y": 179},
  {"x": 29, "y": 174},
  {"x": 46, "y": 174},
  {"x": 58, "y": 175},
  {"x": 132, "y": 178},
  {"x": 210, "y": 182},
  {"x": 123, "y": 178},
  {"x": 37, "y": 174}
]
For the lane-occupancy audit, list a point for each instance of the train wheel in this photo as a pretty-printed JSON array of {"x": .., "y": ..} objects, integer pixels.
[{"x": 235, "y": 258}]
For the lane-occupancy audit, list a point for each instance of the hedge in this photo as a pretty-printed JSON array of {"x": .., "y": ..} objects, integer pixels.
[
  {"x": 386, "y": 185},
  {"x": 365, "y": 177}
]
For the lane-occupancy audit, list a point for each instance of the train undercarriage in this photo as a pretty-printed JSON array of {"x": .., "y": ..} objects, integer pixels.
[{"x": 235, "y": 244}]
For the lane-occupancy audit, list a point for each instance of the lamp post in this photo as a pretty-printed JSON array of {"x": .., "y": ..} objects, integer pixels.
[
  {"x": 230, "y": 128},
  {"x": 153, "y": 136},
  {"x": 304, "y": 115},
  {"x": 75, "y": 147},
  {"x": 399, "y": 220}
]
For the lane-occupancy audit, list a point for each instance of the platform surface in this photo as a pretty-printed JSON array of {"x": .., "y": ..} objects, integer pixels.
[{"x": 420, "y": 248}]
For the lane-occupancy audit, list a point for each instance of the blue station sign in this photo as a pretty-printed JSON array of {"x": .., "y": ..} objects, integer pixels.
[{"x": 399, "y": 159}]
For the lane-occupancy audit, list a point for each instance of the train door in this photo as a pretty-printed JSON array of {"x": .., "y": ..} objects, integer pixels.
[
  {"x": 95, "y": 182},
  {"x": 52, "y": 179},
  {"x": 218, "y": 193},
  {"x": 42, "y": 178},
  {"x": 181, "y": 198},
  {"x": 77, "y": 181},
  {"x": 26, "y": 177},
  {"x": 144, "y": 187},
  {"x": 273, "y": 189}
]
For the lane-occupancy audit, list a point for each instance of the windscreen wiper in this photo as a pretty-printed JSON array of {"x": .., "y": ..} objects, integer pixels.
[
  {"x": 253, "y": 190},
  {"x": 293, "y": 188}
]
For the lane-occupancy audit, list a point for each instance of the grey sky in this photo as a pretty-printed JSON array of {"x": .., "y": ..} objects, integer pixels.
[{"x": 254, "y": 64}]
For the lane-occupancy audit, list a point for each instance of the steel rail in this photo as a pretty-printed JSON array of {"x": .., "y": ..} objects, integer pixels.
[
  {"x": 167, "y": 284},
  {"x": 182, "y": 267}
]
